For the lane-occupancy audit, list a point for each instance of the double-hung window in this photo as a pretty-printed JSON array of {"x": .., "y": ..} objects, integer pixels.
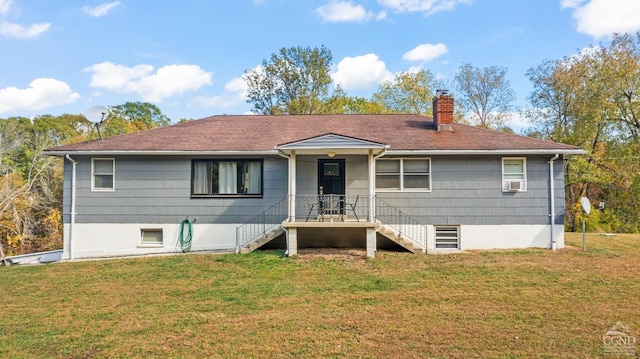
[
  {"x": 102, "y": 174},
  {"x": 514, "y": 174},
  {"x": 403, "y": 174},
  {"x": 212, "y": 178}
]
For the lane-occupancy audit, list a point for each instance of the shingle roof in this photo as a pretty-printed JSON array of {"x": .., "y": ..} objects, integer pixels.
[{"x": 401, "y": 132}]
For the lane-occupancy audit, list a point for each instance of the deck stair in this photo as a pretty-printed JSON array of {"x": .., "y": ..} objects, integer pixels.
[
  {"x": 400, "y": 227},
  {"x": 262, "y": 228},
  {"x": 262, "y": 240},
  {"x": 400, "y": 239}
]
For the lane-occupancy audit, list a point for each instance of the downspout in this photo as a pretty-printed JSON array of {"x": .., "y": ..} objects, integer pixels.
[
  {"x": 289, "y": 200},
  {"x": 553, "y": 202},
  {"x": 291, "y": 190},
  {"x": 73, "y": 203},
  {"x": 372, "y": 187}
]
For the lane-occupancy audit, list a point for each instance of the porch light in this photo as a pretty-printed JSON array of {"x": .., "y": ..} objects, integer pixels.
[{"x": 331, "y": 154}]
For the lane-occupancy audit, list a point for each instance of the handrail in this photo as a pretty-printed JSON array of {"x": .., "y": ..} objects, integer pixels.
[
  {"x": 331, "y": 207},
  {"x": 261, "y": 224},
  {"x": 407, "y": 226}
]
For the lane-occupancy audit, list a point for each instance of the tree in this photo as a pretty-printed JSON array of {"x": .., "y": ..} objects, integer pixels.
[
  {"x": 294, "y": 81},
  {"x": 409, "y": 92},
  {"x": 31, "y": 184},
  {"x": 134, "y": 117},
  {"x": 485, "y": 94},
  {"x": 592, "y": 100},
  {"x": 341, "y": 103}
]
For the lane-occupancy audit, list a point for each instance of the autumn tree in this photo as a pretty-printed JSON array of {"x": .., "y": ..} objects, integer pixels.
[
  {"x": 408, "y": 92},
  {"x": 134, "y": 117},
  {"x": 31, "y": 184},
  {"x": 591, "y": 100},
  {"x": 341, "y": 103},
  {"x": 484, "y": 94},
  {"x": 293, "y": 81}
]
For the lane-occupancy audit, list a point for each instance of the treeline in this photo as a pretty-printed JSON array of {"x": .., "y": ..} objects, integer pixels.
[
  {"x": 590, "y": 99},
  {"x": 31, "y": 184}
]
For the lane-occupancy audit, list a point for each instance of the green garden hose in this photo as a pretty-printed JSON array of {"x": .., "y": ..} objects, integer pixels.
[{"x": 186, "y": 237}]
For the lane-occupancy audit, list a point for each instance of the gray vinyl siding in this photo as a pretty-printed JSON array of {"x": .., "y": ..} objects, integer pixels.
[
  {"x": 356, "y": 181},
  {"x": 467, "y": 191},
  {"x": 157, "y": 189}
]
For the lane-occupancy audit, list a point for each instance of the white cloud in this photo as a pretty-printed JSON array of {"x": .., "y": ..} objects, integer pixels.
[
  {"x": 601, "y": 18},
  {"x": 20, "y": 32},
  {"x": 429, "y": 7},
  {"x": 361, "y": 72},
  {"x": 10, "y": 29},
  {"x": 4, "y": 6},
  {"x": 342, "y": 11},
  {"x": 570, "y": 3},
  {"x": 167, "y": 81},
  {"x": 100, "y": 10},
  {"x": 42, "y": 93},
  {"x": 235, "y": 92},
  {"x": 426, "y": 52}
]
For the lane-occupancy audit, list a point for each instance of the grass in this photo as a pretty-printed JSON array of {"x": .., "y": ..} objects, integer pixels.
[{"x": 480, "y": 304}]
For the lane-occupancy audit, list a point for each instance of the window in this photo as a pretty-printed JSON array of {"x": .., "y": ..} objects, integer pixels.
[
  {"x": 447, "y": 237},
  {"x": 102, "y": 174},
  {"x": 514, "y": 174},
  {"x": 151, "y": 237},
  {"x": 403, "y": 174},
  {"x": 226, "y": 178}
]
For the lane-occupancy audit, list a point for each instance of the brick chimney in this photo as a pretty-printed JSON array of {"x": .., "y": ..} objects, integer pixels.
[{"x": 443, "y": 111}]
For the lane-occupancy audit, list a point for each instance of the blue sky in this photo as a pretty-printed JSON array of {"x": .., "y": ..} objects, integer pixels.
[{"x": 188, "y": 57}]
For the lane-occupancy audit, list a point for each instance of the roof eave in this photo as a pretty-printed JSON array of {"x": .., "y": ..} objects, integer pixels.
[
  {"x": 156, "y": 153},
  {"x": 565, "y": 152}
]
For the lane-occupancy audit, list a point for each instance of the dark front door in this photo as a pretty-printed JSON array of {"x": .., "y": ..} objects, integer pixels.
[
  {"x": 331, "y": 179},
  {"x": 331, "y": 183}
]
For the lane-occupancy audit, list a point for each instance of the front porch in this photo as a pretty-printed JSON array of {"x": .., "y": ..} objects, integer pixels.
[
  {"x": 331, "y": 186},
  {"x": 327, "y": 220}
]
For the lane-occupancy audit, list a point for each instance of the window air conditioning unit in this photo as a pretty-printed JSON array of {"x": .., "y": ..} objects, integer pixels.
[{"x": 514, "y": 185}]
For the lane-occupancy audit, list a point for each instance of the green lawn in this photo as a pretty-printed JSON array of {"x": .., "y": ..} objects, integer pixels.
[{"x": 481, "y": 304}]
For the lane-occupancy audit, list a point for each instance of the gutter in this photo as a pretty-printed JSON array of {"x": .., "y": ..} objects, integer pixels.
[
  {"x": 553, "y": 202},
  {"x": 425, "y": 152},
  {"x": 74, "y": 163}
]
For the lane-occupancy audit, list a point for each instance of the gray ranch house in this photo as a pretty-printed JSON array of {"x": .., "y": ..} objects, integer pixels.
[{"x": 369, "y": 181}]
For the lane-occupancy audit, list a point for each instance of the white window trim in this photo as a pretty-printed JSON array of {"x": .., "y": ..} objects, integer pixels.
[
  {"x": 402, "y": 189},
  {"x": 523, "y": 181},
  {"x": 93, "y": 177},
  {"x": 144, "y": 244}
]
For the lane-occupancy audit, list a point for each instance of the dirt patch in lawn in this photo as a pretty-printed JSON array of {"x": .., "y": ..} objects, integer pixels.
[{"x": 332, "y": 253}]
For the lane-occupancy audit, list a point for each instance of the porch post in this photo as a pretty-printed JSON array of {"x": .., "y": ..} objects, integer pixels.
[
  {"x": 292, "y": 241},
  {"x": 292, "y": 186},
  {"x": 292, "y": 233},
  {"x": 372, "y": 190},
  {"x": 371, "y": 242}
]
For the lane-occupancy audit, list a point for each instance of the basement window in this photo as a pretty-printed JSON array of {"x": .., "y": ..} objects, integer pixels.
[
  {"x": 447, "y": 237},
  {"x": 151, "y": 237}
]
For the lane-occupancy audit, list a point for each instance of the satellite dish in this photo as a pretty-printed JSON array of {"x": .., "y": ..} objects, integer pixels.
[
  {"x": 96, "y": 114},
  {"x": 586, "y": 205}
]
